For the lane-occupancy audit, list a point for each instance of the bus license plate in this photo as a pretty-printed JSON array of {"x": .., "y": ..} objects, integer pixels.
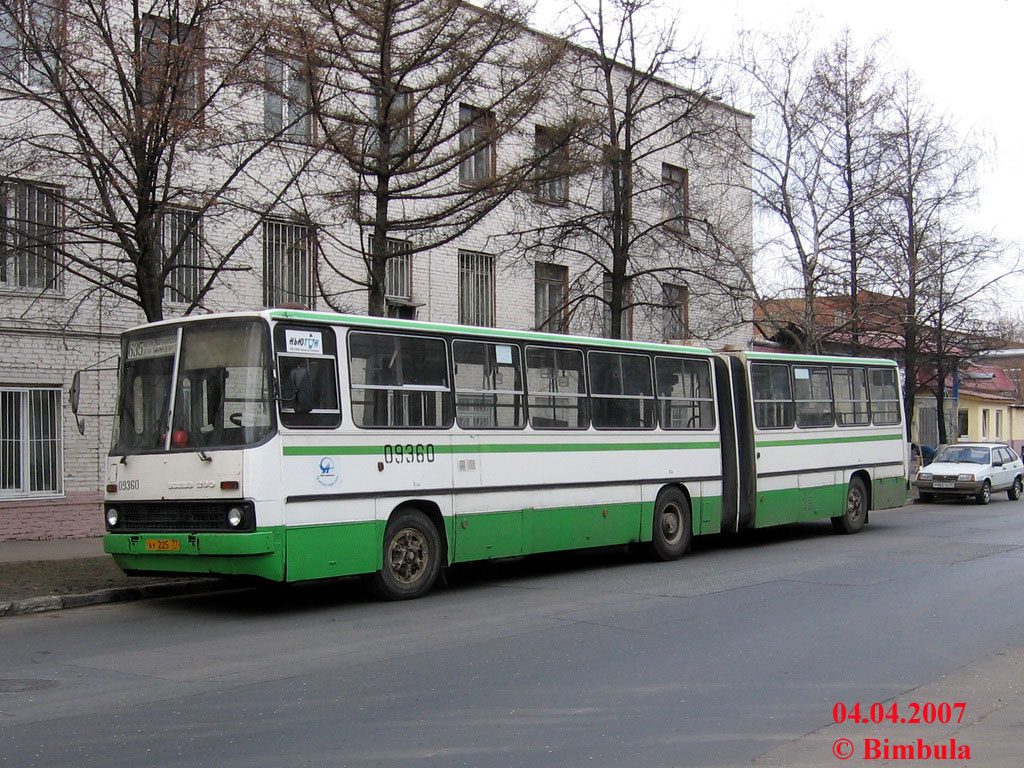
[
  {"x": 163, "y": 545},
  {"x": 943, "y": 485}
]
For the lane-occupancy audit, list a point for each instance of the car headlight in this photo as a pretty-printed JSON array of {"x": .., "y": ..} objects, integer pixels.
[
  {"x": 924, "y": 475},
  {"x": 235, "y": 516},
  {"x": 113, "y": 517},
  {"x": 965, "y": 478}
]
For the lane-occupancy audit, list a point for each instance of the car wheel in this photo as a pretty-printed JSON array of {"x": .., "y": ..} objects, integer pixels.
[
  {"x": 856, "y": 514},
  {"x": 1015, "y": 490},
  {"x": 985, "y": 494},
  {"x": 926, "y": 498},
  {"x": 670, "y": 537},
  {"x": 412, "y": 557}
]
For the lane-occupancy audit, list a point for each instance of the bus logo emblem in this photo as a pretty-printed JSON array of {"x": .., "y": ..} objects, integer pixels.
[{"x": 327, "y": 476}]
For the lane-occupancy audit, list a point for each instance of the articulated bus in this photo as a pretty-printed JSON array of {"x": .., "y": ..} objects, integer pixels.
[{"x": 294, "y": 445}]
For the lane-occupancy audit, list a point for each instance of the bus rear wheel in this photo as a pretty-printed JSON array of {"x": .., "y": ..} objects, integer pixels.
[
  {"x": 411, "y": 557},
  {"x": 671, "y": 534},
  {"x": 856, "y": 514}
]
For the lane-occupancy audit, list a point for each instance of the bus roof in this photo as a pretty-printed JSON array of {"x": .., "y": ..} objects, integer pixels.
[
  {"x": 798, "y": 358},
  {"x": 390, "y": 323}
]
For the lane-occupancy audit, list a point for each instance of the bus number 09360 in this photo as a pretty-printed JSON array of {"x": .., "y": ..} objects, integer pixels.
[{"x": 408, "y": 454}]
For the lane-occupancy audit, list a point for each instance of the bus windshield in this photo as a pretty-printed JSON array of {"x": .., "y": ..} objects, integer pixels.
[{"x": 216, "y": 375}]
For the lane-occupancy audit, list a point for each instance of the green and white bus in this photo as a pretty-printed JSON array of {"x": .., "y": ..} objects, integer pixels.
[{"x": 293, "y": 445}]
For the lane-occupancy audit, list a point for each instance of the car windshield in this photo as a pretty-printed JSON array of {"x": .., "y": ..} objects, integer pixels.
[
  {"x": 963, "y": 454},
  {"x": 221, "y": 391}
]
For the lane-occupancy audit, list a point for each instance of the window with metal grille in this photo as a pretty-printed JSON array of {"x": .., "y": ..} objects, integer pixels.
[
  {"x": 31, "y": 448},
  {"x": 398, "y": 271},
  {"x": 551, "y": 291},
  {"x": 287, "y": 264},
  {"x": 476, "y": 288},
  {"x": 476, "y": 144},
  {"x": 30, "y": 217},
  {"x": 180, "y": 246},
  {"x": 286, "y": 101}
]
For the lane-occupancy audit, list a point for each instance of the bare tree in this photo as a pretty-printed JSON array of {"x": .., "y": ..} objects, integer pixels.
[
  {"x": 634, "y": 220},
  {"x": 816, "y": 169},
  {"x": 134, "y": 109},
  {"x": 412, "y": 100},
  {"x": 922, "y": 254}
]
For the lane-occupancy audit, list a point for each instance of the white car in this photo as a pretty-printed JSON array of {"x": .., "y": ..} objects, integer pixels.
[{"x": 971, "y": 469}]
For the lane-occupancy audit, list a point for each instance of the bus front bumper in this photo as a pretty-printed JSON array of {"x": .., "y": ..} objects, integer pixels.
[{"x": 260, "y": 553}]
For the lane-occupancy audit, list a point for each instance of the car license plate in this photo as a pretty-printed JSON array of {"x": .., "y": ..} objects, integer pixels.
[
  {"x": 943, "y": 485},
  {"x": 163, "y": 545}
]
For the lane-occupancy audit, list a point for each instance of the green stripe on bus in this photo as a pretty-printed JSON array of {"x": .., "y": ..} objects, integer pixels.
[
  {"x": 827, "y": 440},
  {"x": 374, "y": 450}
]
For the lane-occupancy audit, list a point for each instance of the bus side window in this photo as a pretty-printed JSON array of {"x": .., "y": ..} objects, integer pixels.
[
  {"x": 307, "y": 375},
  {"x": 773, "y": 396},
  {"x": 885, "y": 396},
  {"x": 557, "y": 388},
  {"x": 684, "y": 393}
]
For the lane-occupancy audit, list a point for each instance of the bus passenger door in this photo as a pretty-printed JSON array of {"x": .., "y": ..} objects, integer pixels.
[{"x": 746, "y": 460}]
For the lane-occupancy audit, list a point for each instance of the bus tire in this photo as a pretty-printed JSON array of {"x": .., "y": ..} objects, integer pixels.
[
  {"x": 411, "y": 557},
  {"x": 856, "y": 513},
  {"x": 670, "y": 537}
]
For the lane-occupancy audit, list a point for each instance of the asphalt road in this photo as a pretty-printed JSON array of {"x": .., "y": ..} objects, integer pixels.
[{"x": 597, "y": 659}]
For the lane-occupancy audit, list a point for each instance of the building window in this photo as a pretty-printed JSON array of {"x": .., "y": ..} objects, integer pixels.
[
  {"x": 180, "y": 247},
  {"x": 476, "y": 145},
  {"x": 675, "y": 197},
  {"x": 999, "y": 424},
  {"x": 30, "y": 242},
  {"x": 676, "y": 299},
  {"x": 984, "y": 423},
  {"x": 626, "y": 318},
  {"x": 287, "y": 264},
  {"x": 962, "y": 423},
  {"x": 172, "y": 65},
  {"x": 551, "y": 294},
  {"x": 398, "y": 270},
  {"x": 552, "y": 166},
  {"x": 394, "y": 121},
  {"x": 31, "y": 32},
  {"x": 476, "y": 288},
  {"x": 30, "y": 442},
  {"x": 286, "y": 102}
]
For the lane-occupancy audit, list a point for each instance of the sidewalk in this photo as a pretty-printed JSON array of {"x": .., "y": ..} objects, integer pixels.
[{"x": 38, "y": 576}]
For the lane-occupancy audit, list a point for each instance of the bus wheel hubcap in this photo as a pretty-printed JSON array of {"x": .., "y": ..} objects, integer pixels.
[
  {"x": 408, "y": 555},
  {"x": 670, "y": 524}
]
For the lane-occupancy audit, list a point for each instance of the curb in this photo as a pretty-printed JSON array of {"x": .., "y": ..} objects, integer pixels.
[{"x": 116, "y": 595}]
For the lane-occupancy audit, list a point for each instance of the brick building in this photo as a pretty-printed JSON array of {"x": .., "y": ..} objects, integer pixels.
[{"x": 55, "y": 322}]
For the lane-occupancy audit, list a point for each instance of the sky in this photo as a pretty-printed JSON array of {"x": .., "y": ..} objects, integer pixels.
[{"x": 968, "y": 56}]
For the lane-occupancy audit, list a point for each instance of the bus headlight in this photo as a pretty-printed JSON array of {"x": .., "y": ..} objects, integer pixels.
[
  {"x": 235, "y": 516},
  {"x": 113, "y": 517}
]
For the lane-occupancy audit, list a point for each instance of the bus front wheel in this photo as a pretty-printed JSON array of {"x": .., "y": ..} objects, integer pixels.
[
  {"x": 671, "y": 534},
  {"x": 856, "y": 514},
  {"x": 411, "y": 557}
]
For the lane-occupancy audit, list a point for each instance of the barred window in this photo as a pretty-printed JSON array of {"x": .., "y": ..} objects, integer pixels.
[
  {"x": 31, "y": 445},
  {"x": 398, "y": 271},
  {"x": 287, "y": 264},
  {"x": 476, "y": 288},
  {"x": 30, "y": 218},
  {"x": 180, "y": 236}
]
